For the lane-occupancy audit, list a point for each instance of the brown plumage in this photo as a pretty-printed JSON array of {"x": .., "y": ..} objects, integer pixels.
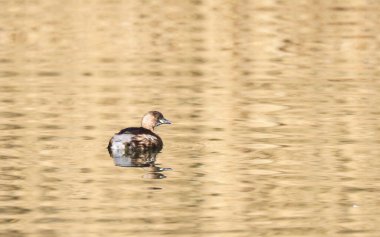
[{"x": 140, "y": 138}]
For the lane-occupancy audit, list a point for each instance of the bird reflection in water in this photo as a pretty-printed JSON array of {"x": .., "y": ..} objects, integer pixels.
[{"x": 142, "y": 159}]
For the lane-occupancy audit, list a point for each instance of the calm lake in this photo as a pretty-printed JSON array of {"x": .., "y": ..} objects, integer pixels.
[{"x": 274, "y": 104}]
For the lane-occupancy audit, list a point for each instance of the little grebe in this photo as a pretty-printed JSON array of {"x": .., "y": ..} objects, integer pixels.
[{"x": 140, "y": 138}]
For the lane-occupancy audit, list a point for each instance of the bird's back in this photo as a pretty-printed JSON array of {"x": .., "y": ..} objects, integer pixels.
[{"x": 136, "y": 139}]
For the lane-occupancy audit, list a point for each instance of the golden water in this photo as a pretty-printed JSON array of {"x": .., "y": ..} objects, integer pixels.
[{"x": 275, "y": 107}]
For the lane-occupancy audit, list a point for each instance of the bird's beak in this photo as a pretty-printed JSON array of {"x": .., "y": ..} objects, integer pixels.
[{"x": 164, "y": 121}]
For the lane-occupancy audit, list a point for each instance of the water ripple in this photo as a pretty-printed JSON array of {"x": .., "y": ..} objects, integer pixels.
[
  {"x": 10, "y": 210},
  {"x": 11, "y": 127}
]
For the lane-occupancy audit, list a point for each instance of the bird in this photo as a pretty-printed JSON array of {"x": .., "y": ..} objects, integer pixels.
[{"x": 139, "y": 139}]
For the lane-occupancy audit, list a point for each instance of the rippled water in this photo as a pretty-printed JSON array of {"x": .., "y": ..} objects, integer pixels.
[{"x": 275, "y": 107}]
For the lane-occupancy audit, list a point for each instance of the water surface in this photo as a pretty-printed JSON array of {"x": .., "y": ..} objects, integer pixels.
[{"x": 274, "y": 104}]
